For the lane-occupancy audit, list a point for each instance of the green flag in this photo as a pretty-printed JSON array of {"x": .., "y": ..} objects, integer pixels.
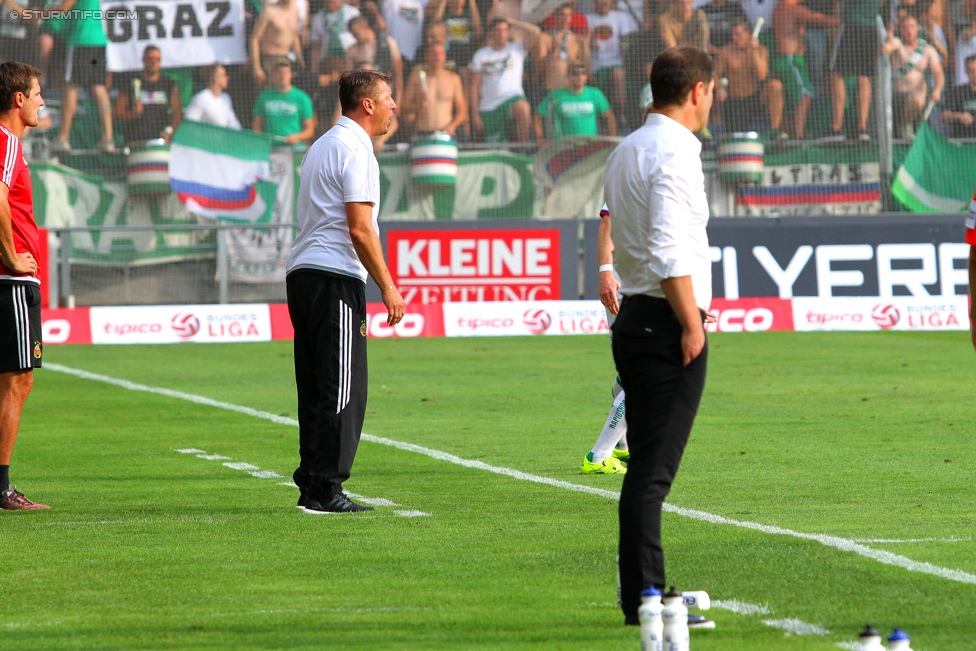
[{"x": 938, "y": 175}]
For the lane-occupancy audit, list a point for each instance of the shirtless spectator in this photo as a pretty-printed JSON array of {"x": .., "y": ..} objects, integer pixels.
[
  {"x": 275, "y": 39},
  {"x": 498, "y": 100},
  {"x": 561, "y": 49},
  {"x": 911, "y": 58},
  {"x": 608, "y": 29},
  {"x": 960, "y": 110},
  {"x": 434, "y": 101},
  {"x": 212, "y": 104},
  {"x": 789, "y": 66},
  {"x": 375, "y": 52},
  {"x": 745, "y": 63},
  {"x": 684, "y": 25},
  {"x": 721, "y": 16}
]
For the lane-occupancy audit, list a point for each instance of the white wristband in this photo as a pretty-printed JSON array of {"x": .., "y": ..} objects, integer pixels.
[{"x": 606, "y": 267}]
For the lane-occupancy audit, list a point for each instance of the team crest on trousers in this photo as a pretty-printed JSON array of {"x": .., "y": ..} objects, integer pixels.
[
  {"x": 362, "y": 329},
  {"x": 37, "y": 350}
]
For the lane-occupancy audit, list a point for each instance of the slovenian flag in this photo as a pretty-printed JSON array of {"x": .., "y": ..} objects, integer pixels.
[{"x": 222, "y": 173}]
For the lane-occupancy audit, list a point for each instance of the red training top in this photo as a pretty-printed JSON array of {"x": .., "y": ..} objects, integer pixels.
[
  {"x": 15, "y": 175},
  {"x": 971, "y": 223}
]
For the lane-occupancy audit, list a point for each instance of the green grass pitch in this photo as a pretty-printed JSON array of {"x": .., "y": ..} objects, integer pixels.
[{"x": 856, "y": 437}]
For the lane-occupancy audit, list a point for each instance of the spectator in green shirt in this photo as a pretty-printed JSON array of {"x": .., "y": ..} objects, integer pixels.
[
  {"x": 85, "y": 66},
  {"x": 283, "y": 110},
  {"x": 574, "y": 110}
]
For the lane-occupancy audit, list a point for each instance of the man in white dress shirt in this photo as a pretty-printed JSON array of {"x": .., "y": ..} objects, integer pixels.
[
  {"x": 655, "y": 190},
  {"x": 336, "y": 246},
  {"x": 212, "y": 104}
]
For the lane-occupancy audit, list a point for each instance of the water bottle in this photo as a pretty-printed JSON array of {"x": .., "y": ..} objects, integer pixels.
[
  {"x": 898, "y": 641},
  {"x": 697, "y": 599},
  {"x": 651, "y": 625},
  {"x": 675, "y": 618},
  {"x": 870, "y": 639}
]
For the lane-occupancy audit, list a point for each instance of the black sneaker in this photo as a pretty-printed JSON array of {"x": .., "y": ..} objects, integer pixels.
[
  {"x": 338, "y": 503},
  {"x": 302, "y": 500},
  {"x": 699, "y": 621}
]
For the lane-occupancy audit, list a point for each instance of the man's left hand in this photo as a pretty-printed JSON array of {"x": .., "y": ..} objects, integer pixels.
[{"x": 395, "y": 307}]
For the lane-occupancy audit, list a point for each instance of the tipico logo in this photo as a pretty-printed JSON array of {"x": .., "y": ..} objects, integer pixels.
[
  {"x": 537, "y": 321},
  {"x": 185, "y": 325},
  {"x": 885, "y": 315}
]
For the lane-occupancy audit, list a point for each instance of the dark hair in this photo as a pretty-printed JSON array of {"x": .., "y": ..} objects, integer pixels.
[
  {"x": 676, "y": 71},
  {"x": 150, "y": 48},
  {"x": 210, "y": 72},
  {"x": 742, "y": 22},
  {"x": 15, "y": 77},
  {"x": 969, "y": 60},
  {"x": 357, "y": 20},
  {"x": 578, "y": 67},
  {"x": 495, "y": 21},
  {"x": 355, "y": 85}
]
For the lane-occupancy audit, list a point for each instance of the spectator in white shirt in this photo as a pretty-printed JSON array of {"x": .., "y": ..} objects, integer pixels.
[
  {"x": 497, "y": 95},
  {"x": 212, "y": 104},
  {"x": 405, "y": 23},
  {"x": 655, "y": 190}
]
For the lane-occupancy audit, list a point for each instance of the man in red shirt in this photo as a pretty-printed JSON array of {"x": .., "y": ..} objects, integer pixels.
[
  {"x": 20, "y": 290},
  {"x": 971, "y": 241}
]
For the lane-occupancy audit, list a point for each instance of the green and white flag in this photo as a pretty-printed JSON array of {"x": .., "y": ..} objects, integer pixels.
[{"x": 937, "y": 176}]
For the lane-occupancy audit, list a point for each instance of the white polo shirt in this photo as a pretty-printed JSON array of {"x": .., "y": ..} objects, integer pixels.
[
  {"x": 339, "y": 168},
  {"x": 655, "y": 190}
]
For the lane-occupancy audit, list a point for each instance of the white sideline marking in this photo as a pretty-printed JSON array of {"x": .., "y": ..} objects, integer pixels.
[
  {"x": 241, "y": 466},
  {"x": 850, "y": 645},
  {"x": 909, "y": 540},
  {"x": 741, "y": 607},
  {"x": 411, "y": 514},
  {"x": 793, "y": 625},
  {"x": 212, "y": 457},
  {"x": 374, "y": 501},
  {"x": 843, "y": 544}
]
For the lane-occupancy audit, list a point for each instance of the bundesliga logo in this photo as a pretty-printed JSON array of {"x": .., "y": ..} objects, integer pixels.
[
  {"x": 537, "y": 321},
  {"x": 185, "y": 325},
  {"x": 885, "y": 315}
]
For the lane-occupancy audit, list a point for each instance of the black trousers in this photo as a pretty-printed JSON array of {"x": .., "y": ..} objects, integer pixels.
[
  {"x": 328, "y": 313},
  {"x": 662, "y": 401}
]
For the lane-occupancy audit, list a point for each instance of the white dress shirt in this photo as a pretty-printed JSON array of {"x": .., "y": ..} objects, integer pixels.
[
  {"x": 339, "y": 168},
  {"x": 655, "y": 189}
]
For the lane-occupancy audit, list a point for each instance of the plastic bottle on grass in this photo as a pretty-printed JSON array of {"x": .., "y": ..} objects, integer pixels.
[
  {"x": 651, "y": 624},
  {"x": 899, "y": 641},
  {"x": 870, "y": 639},
  {"x": 675, "y": 617}
]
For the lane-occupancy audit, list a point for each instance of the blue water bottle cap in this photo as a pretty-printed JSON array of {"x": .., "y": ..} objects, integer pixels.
[
  {"x": 897, "y": 635},
  {"x": 651, "y": 592}
]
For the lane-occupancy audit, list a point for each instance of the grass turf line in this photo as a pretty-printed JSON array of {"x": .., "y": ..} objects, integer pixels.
[{"x": 500, "y": 564}]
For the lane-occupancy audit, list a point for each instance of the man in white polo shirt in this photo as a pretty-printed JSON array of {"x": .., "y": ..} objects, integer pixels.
[
  {"x": 336, "y": 246},
  {"x": 655, "y": 190}
]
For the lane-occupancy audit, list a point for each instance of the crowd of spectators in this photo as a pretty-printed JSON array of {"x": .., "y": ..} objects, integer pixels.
[{"x": 474, "y": 70}]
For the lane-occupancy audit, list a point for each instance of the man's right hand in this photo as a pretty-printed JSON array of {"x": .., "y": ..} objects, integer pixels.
[
  {"x": 259, "y": 75},
  {"x": 395, "y": 307},
  {"x": 692, "y": 343},
  {"x": 22, "y": 263}
]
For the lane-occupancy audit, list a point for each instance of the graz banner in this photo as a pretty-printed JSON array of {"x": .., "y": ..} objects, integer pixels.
[{"x": 187, "y": 32}]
